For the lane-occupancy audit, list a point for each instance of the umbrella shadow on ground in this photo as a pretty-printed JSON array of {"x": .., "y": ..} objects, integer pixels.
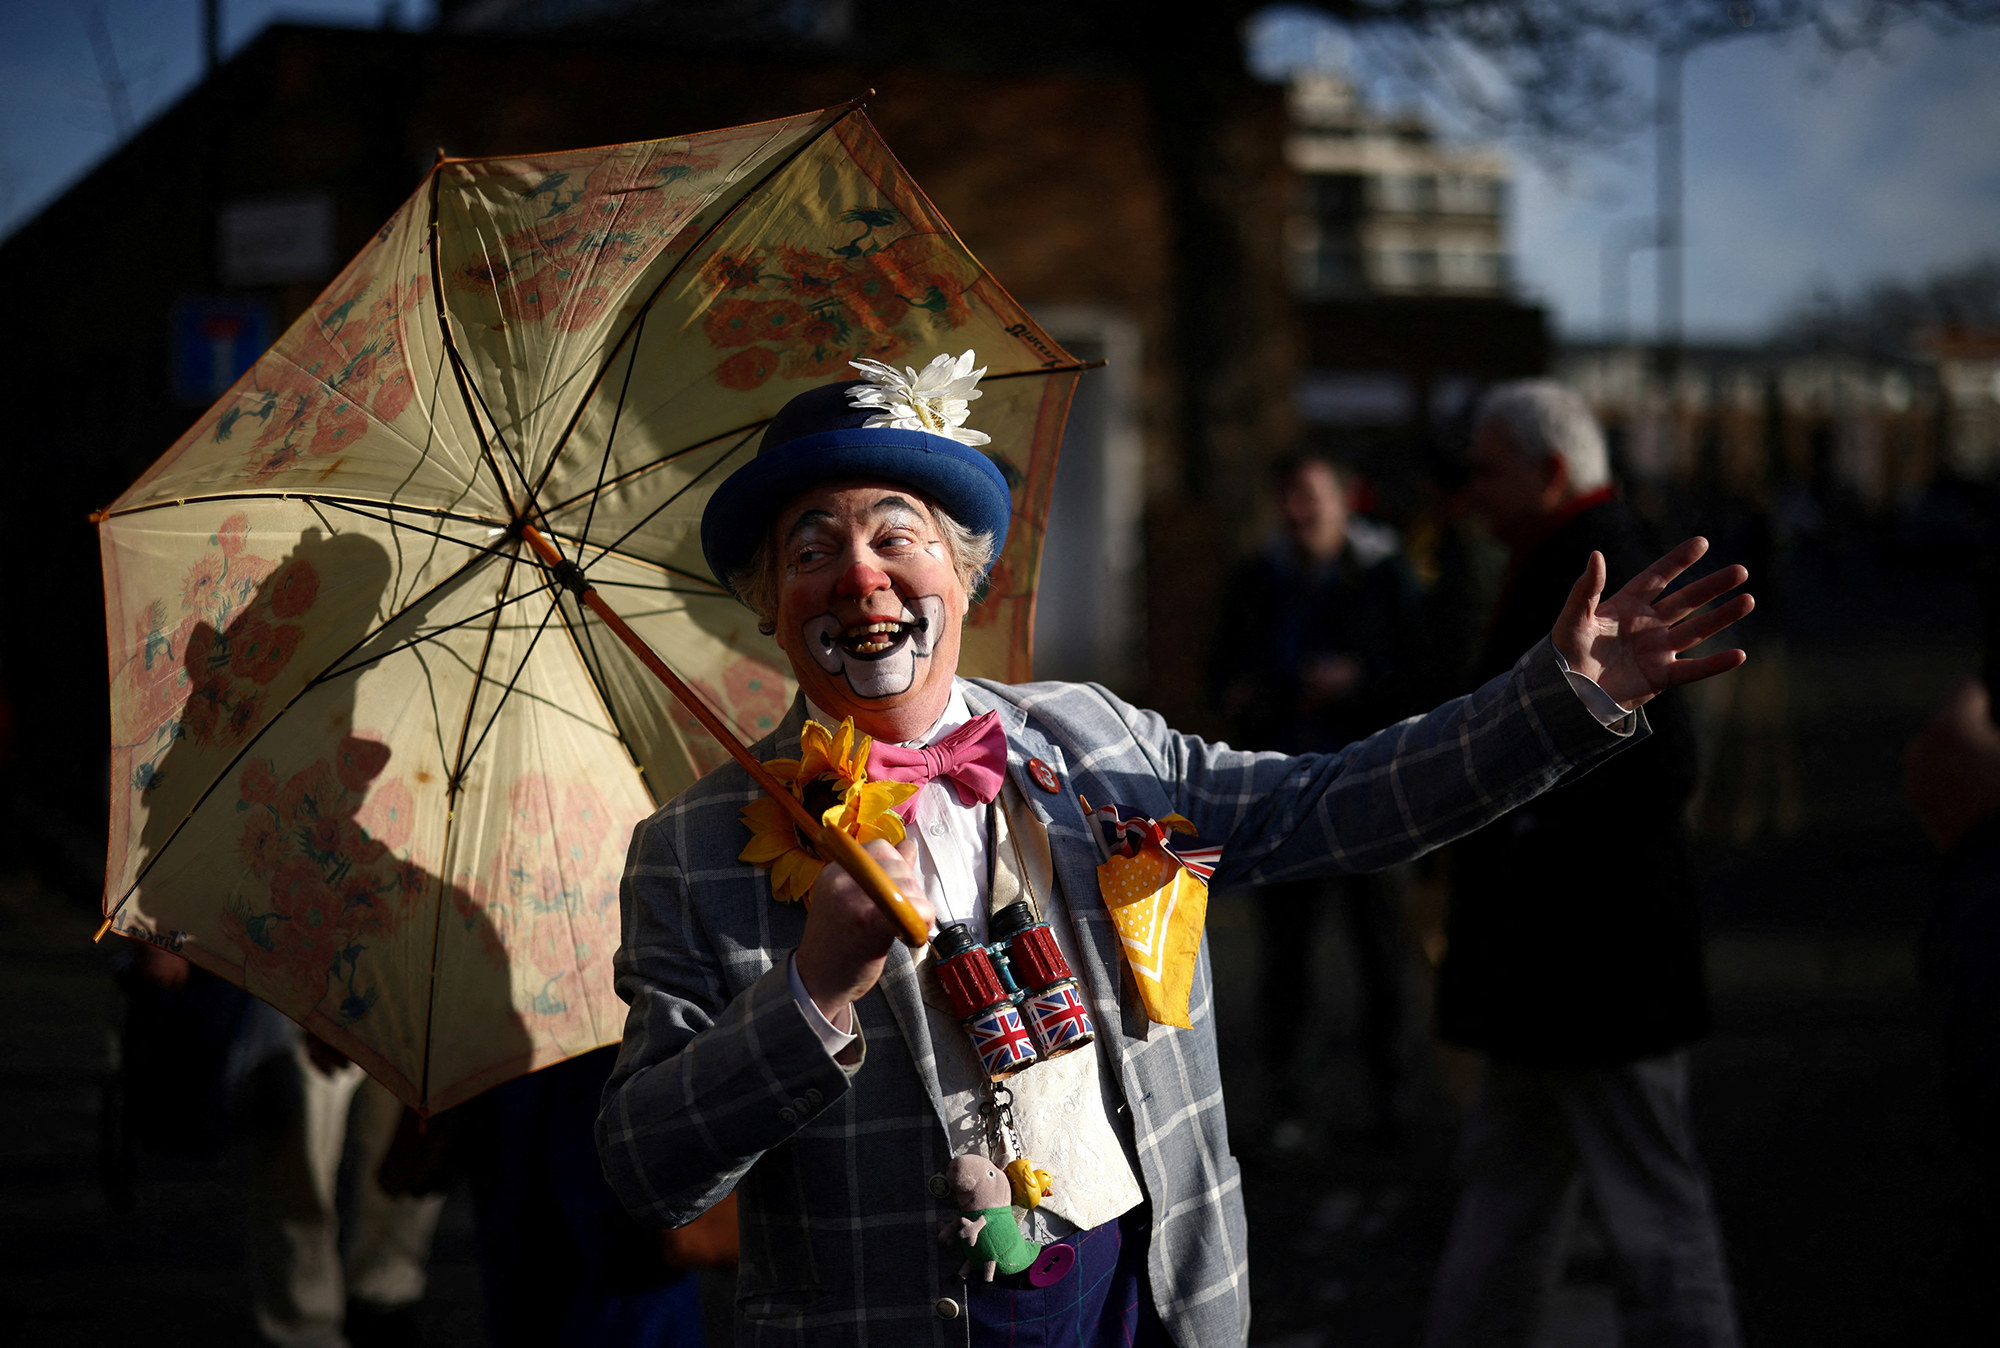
[{"x": 318, "y": 903}]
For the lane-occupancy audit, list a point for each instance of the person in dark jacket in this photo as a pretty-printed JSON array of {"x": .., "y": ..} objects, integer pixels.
[
  {"x": 1319, "y": 650},
  {"x": 1953, "y": 778},
  {"x": 1582, "y": 1007}
]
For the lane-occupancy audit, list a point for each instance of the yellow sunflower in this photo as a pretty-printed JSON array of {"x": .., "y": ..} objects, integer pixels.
[
  {"x": 842, "y": 754},
  {"x": 830, "y": 777}
]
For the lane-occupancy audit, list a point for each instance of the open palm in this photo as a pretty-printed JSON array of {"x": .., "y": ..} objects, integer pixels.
[{"x": 1631, "y": 643}]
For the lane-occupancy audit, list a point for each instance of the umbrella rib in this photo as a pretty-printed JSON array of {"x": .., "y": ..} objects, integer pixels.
[
  {"x": 342, "y": 670},
  {"x": 659, "y": 589},
  {"x": 485, "y": 549},
  {"x": 458, "y": 371},
  {"x": 712, "y": 587},
  {"x": 505, "y": 693},
  {"x": 431, "y": 438},
  {"x": 652, "y": 514},
  {"x": 506, "y": 446},
  {"x": 437, "y": 907},
  {"x": 431, "y": 696},
  {"x": 438, "y": 512},
  {"x": 632, "y": 329},
  {"x": 591, "y": 666},
  {"x": 430, "y": 1002},
  {"x": 453, "y": 782},
  {"x": 673, "y": 456},
  {"x": 468, "y": 389},
  {"x": 610, "y": 437}
]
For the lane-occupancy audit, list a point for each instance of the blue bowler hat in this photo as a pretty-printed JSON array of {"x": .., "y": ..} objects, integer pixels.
[{"x": 819, "y": 437}]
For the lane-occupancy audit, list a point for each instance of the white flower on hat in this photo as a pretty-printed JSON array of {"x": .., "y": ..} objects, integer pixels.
[{"x": 935, "y": 398}]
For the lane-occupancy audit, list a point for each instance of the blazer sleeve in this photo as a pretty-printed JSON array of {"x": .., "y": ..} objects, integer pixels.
[
  {"x": 706, "y": 1081},
  {"x": 1395, "y": 795}
]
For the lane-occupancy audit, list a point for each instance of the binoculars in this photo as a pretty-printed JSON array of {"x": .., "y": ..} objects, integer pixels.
[{"x": 1015, "y": 995}]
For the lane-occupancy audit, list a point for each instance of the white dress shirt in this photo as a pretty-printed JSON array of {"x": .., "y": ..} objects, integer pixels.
[{"x": 951, "y": 859}]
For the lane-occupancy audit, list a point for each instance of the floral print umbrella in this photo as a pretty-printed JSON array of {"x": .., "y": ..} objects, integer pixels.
[{"x": 371, "y": 761}]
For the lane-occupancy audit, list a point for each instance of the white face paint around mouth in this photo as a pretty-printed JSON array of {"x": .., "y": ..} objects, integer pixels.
[{"x": 877, "y": 659}]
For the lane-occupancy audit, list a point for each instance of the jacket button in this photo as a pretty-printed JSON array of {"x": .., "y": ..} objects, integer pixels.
[
  {"x": 940, "y": 1187},
  {"x": 814, "y": 1098},
  {"x": 947, "y": 1309},
  {"x": 801, "y": 1106},
  {"x": 788, "y": 1115}
]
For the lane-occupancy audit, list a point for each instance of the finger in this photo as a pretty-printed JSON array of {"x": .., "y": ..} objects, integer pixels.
[
  {"x": 1582, "y": 601},
  {"x": 1655, "y": 578},
  {"x": 900, "y": 861},
  {"x": 1673, "y": 607},
  {"x": 1703, "y": 626},
  {"x": 1703, "y": 667}
]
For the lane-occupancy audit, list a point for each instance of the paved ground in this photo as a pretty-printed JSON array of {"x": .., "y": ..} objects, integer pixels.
[{"x": 1818, "y": 1100}]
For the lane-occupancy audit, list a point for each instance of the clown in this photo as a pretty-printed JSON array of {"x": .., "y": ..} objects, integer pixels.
[{"x": 804, "y": 1058}]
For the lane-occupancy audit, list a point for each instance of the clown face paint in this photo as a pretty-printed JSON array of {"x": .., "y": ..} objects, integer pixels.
[
  {"x": 870, "y": 606},
  {"x": 877, "y": 657}
]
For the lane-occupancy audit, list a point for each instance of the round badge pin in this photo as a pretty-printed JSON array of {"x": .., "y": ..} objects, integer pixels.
[{"x": 1044, "y": 775}]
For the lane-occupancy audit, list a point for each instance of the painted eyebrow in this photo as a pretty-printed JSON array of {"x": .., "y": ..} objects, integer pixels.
[
  {"x": 888, "y": 505},
  {"x": 808, "y": 519},
  {"x": 895, "y": 505}
]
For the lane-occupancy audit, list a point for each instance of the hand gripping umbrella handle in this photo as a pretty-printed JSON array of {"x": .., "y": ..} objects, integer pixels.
[
  {"x": 830, "y": 843},
  {"x": 847, "y": 853}
]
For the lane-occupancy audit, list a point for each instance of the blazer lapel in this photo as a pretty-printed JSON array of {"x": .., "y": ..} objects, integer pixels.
[{"x": 1075, "y": 857}]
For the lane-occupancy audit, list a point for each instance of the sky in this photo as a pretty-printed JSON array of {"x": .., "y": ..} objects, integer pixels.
[
  {"x": 56, "y": 110},
  {"x": 1805, "y": 172}
]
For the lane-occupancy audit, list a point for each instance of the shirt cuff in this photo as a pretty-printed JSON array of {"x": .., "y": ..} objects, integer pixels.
[
  {"x": 835, "y": 1040},
  {"x": 1599, "y": 703}
]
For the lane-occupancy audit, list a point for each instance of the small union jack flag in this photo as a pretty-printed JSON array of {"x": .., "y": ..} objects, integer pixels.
[
  {"x": 1122, "y": 831},
  {"x": 1060, "y": 1017},
  {"x": 1002, "y": 1040}
]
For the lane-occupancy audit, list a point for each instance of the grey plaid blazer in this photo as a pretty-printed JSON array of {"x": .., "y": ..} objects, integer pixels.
[{"x": 722, "y": 1085}]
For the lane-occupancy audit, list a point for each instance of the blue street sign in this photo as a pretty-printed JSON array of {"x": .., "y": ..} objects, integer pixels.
[{"x": 215, "y": 341}]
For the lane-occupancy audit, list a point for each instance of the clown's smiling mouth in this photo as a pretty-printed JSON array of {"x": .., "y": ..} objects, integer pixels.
[
  {"x": 879, "y": 655},
  {"x": 874, "y": 640}
]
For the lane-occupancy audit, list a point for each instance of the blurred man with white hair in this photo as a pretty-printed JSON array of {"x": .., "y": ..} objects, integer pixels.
[
  {"x": 1538, "y": 459},
  {"x": 1582, "y": 1007}
]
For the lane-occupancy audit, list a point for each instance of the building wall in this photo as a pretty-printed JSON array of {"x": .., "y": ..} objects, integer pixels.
[{"x": 1384, "y": 208}]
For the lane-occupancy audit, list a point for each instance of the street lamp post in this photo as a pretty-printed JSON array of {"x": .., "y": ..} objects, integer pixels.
[
  {"x": 1667, "y": 166},
  {"x": 1623, "y": 239}
]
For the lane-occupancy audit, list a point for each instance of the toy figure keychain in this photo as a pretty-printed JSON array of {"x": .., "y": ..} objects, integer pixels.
[
  {"x": 1029, "y": 1185},
  {"x": 987, "y": 1232},
  {"x": 1019, "y": 1003}
]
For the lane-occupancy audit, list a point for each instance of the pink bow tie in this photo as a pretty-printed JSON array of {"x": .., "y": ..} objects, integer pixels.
[{"x": 973, "y": 757}]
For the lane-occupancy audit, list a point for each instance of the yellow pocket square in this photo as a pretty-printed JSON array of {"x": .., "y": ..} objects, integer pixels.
[{"x": 1155, "y": 885}]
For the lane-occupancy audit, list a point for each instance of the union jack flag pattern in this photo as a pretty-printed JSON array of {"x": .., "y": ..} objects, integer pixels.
[
  {"x": 1003, "y": 1041},
  {"x": 1122, "y": 831},
  {"x": 1060, "y": 1020}
]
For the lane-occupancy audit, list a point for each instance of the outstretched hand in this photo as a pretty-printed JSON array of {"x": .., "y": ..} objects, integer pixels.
[{"x": 1631, "y": 643}]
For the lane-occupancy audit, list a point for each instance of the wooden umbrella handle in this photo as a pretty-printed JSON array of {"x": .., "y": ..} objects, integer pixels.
[
  {"x": 847, "y": 852},
  {"x": 830, "y": 843}
]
